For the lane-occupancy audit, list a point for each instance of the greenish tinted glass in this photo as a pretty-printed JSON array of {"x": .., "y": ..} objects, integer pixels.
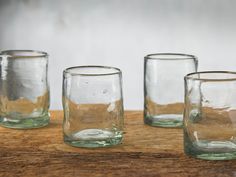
[
  {"x": 93, "y": 106},
  {"x": 24, "y": 89},
  {"x": 164, "y": 88},
  {"x": 210, "y": 115}
]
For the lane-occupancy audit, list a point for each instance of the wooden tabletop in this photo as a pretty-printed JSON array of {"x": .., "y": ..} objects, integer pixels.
[{"x": 146, "y": 151}]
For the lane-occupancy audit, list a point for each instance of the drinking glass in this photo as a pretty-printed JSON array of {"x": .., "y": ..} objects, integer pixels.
[
  {"x": 24, "y": 89},
  {"x": 164, "y": 87},
  {"x": 93, "y": 106},
  {"x": 210, "y": 115}
]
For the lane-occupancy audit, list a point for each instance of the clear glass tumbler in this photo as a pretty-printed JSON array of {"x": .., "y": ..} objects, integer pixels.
[
  {"x": 93, "y": 106},
  {"x": 24, "y": 89},
  {"x": 164, "y": 87},
  {"x": 210, "y": 115}
]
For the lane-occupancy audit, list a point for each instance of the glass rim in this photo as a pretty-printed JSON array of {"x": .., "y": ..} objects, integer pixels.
[
  {"x": 172, "y": 56},
  {"x": 190, "y": 76},
  {"x": 70, "y": 70},
  {"x": 32, "y": 53}
]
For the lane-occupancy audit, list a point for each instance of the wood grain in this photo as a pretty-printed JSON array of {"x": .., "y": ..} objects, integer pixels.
[{"x": 146, "y": 151}]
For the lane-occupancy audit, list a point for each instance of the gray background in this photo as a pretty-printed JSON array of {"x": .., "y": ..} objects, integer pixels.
[{"x": 119, "y": 33}]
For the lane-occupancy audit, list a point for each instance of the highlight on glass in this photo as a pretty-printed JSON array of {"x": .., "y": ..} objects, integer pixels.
[
  {"x": 93, "y": 106},
  {"x": 210, "y": 115},
  {"x": 24, "y": 89},
  {"x": 164, "y": 87}
]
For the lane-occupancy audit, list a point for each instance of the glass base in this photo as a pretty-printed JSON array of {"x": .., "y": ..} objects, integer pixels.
[
  {"x": 210, "y": 150},
  {"x": 92, "y": 138},
  {"x": 26, "y": 123},
  {"x": 164, "y": 120}
]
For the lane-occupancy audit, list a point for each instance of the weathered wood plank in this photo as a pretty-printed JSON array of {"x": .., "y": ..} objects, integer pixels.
[{"x": 146, "y": 151}]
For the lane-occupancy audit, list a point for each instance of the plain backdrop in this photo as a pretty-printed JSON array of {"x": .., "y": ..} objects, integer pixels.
[{"x": 120, "y": 33}]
